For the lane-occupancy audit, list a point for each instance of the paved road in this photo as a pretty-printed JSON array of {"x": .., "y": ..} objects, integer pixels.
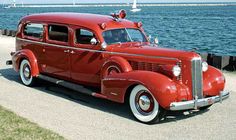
[{"x": 76, "y": 116}]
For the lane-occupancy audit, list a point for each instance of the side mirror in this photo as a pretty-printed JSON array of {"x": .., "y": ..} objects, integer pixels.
[
  {"x": 104, "y": 46},
  {"x": 156, "y": 41},
  {"x": 153, "y": 41},
  {"x": 93, "y": 41},
  {"x": 149, "y": 38}
]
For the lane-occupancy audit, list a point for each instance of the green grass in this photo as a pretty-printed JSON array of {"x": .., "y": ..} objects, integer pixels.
[{"x": 13, "y": 127}]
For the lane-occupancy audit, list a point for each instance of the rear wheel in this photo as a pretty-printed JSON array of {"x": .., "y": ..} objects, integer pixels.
[
  {"x": 25, "y": 73},
  {"x": 144, "y": 106}
]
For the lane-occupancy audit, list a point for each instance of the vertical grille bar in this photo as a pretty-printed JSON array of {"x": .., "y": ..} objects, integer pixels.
[{"x": 197, "y": 78}]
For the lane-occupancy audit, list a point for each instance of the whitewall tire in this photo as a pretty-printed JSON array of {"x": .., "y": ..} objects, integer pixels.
[
  {"x": 25, "y": 73},
  {"x": 143, "y": 105}
]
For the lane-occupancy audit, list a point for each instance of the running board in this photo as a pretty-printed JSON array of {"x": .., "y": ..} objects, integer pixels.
[{"x": 72, "y": 86}]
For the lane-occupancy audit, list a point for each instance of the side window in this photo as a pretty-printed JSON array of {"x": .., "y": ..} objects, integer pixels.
[
  {"x": 34, "y": 30},
  {"x": 84, "y": 36},
  {"x": 58, "y": 33}
]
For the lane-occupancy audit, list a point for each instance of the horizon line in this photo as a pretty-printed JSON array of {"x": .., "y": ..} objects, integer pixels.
[
  {"x": 128, "y": 3},
  {"x": 117, "y": 5}
]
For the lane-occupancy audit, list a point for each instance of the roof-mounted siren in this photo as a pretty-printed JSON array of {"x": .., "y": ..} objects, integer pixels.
[{"x": 119, "y": 15}]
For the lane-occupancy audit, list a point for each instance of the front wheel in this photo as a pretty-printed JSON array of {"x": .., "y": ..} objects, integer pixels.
[
  {"x": 144, "y": 106},
  {"x": 25, "y": 73}
]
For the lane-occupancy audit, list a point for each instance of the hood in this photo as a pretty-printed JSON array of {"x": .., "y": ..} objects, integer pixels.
[{"x": 154, "y": 51}]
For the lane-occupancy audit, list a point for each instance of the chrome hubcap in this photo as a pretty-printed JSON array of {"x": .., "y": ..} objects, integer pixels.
[
  {"x": 144, "y": 102},
  {"x": 26, "y": 72}
]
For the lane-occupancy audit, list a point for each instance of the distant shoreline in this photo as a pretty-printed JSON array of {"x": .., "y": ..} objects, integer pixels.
[{"x": 117, "y": 5}]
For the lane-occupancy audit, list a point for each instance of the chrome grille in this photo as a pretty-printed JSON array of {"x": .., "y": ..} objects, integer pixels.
[
  {"x": 180, "y": 76},
  {"x": 144, "y": 66},
  {"x": 156, "y": 67},
  {"x": 197, "y": 78}
]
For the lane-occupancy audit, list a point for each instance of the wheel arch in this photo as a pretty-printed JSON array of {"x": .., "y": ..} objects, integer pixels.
[
  {"x": 128, "y": 91},
  {"x": 20, "y": 55},
  {"x": 118, "y": 61}
]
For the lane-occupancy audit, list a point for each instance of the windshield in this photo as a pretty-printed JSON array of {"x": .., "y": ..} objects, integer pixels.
[{"x": 123, "y": 35}]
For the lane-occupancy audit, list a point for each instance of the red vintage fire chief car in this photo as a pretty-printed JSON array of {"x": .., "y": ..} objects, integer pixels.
[{"x": 110, "y": 57}]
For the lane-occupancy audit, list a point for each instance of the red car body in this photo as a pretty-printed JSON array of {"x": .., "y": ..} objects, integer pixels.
[{"x": 115, "y": 69}]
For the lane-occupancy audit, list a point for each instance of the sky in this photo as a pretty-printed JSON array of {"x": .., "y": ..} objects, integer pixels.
[{"x": 110, "y": 1}]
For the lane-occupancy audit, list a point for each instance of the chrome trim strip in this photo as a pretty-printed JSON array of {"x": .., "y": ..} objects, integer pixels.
[
  {"x": 197, "y": 82},
  {"x": 200, "y": 102},
  {"x": 59, "y": 46},
  {"x": 100, "y": 51}
]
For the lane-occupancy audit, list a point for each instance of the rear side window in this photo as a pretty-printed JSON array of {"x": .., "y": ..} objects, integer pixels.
[
  {"x": 84, "y": 36},
  {"x": 58, "y": 33},
  {"x": 34, "y": 30}
]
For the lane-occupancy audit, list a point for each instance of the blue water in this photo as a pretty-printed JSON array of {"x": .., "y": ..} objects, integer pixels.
[{"x": 210, "y": 29}]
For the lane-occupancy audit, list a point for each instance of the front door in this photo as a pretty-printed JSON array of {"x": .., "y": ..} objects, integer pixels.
[
  {"x": 86, "y": 59},
  {"x": 56, "y": 51}
]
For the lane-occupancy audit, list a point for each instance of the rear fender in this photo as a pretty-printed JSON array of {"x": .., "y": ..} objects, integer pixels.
[
  {"x": 163, "y": 88},
  {"x": 25, "y": 54}
]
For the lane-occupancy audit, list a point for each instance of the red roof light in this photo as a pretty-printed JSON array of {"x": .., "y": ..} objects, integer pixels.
[
  {"x": 139, "y": 24},
  {"x": 103, "y": 26}
]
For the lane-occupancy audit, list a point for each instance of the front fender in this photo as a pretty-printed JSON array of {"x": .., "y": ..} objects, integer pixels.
[
  {"x": 163, "y": 88},
  {"x": 213, "y": 82},
  {"x": 25, "y": 54}
]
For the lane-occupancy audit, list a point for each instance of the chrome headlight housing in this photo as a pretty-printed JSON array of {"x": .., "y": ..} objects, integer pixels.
[
  {"x": 204, "y": 66},
  {"x": 176, "y": 70}
]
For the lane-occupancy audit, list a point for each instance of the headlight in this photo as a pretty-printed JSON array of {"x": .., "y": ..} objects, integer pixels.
[
  {"x": 204, "y": 66},
  {"x": 176, "y": 70}
]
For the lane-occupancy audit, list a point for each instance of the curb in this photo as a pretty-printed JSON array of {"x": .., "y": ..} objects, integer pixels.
[
  {"x": 221, "y": 62},
  {"x": 8, "y": 32}
]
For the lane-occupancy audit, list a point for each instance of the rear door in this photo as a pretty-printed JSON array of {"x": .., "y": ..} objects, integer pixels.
[{"x": 56, "y": 51}]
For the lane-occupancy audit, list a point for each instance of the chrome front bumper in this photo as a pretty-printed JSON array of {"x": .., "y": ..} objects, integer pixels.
[{"x": 197, "y": 103}]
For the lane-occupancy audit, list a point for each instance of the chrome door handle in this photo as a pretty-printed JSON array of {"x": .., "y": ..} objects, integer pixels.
[
  {"x": 72, "y": 52},
  {"x": 66, "y": 51}
]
